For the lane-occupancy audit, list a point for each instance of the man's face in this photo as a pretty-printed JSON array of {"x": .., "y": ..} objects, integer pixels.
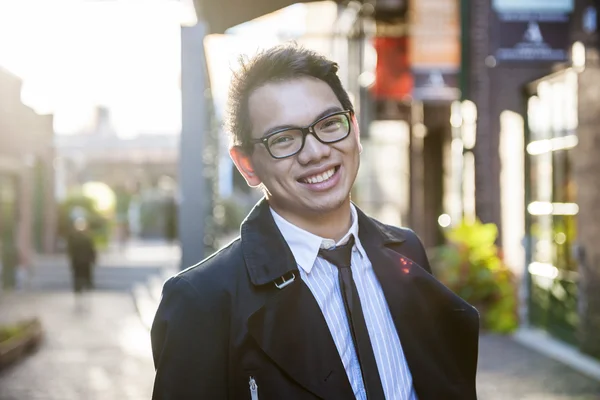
[{"x": 315, "y": 181}]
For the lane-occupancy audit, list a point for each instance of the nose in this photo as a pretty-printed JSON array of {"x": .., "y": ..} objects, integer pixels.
[{"x": 313, "y": 150}]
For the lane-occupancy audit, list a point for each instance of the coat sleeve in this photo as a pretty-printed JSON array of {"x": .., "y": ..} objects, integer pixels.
[{"x": 190, "y": 341}]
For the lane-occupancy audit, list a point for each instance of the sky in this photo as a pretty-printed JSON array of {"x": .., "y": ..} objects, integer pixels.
[
  {"x": 76, "y": 55},
  {"x": 124, "y": 55}
]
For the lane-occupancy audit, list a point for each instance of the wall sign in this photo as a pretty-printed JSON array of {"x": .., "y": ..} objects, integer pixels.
[
  {"x": 435, "y": 84},
  {"x": 435, "y": 49},
  {"x": 545, "y": 38},
  {"x": 590, "y": 20},
  {"x": 545, "y": 6},
  {"x": 532, "y": 30},
  {"x": 393, "y": 80}
]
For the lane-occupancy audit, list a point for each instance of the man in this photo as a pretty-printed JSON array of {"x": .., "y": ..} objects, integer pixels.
[
  {"x": 82, "y": 254},
  {"x": 274, "y": 315}
]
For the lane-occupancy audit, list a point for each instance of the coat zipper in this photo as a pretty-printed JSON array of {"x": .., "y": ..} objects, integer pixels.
[{"x": 253, "y": 389}]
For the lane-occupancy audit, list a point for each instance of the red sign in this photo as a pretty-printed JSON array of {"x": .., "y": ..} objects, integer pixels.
[{"x": 393, "y": 78}]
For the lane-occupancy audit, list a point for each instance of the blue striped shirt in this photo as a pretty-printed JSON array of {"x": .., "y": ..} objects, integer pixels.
[{"x": 321, "y": 277}]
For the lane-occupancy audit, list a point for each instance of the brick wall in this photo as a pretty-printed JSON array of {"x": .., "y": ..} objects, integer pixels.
[
  {"x": 494, "y": 88},
  {"x": 479, "y": 93},
  {"x": 587, "y": 176}
]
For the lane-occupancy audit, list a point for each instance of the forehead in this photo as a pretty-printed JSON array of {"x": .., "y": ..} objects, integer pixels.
[{"x": 294, "y": 102}]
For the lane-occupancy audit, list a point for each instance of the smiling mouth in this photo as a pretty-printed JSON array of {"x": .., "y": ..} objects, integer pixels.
[{"x": 319, "y": 178}]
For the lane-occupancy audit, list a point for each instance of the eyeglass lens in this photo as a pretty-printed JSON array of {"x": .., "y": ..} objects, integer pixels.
[{"x": 289, "y": 142}]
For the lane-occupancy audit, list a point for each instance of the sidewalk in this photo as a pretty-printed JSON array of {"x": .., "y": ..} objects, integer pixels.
[
  {"x": 93, "y": 349},
  {"x": 508, "y": 370},
  {"x": 95, "y": 346},
  {"x": 132, "y": 254},
  {"x": 117, "y": 268}
]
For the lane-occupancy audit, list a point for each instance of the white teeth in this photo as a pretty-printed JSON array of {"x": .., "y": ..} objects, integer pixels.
[{"x": 320, "y": 178}]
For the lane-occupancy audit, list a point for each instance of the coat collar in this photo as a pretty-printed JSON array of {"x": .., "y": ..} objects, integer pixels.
[{"x": 267, "y": 255}]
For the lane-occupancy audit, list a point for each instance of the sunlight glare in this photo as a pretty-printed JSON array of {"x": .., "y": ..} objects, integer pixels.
[{"x": 69, "y": 61}]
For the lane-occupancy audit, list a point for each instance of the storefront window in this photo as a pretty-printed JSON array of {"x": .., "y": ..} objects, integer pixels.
[{"x": 552, "y": 205}]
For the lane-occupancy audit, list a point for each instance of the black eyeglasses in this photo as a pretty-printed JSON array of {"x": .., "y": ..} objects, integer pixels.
[{"x": 290, "y": 141}]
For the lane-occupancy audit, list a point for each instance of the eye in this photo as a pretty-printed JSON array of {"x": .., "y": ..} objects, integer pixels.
[
  {"x": 332, "y": 124},
  {"x": 282, "y": 139}
]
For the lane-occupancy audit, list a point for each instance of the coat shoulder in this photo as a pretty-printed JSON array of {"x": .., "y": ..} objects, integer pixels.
[
  {"x": 399, "y": 231},
  {"x": 406, "y": 242},
  {"x": 217, "y": 270}
]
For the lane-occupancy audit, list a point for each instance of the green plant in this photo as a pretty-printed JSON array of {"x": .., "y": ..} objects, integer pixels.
[
  {"x": 229, "y": 214},
  {"x": 77, "y": 203},
  {"x": 11, "y": 331},
  {"x": 470, "y": 265}
]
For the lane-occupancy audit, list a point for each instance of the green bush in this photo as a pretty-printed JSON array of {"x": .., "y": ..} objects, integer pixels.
[
  {"x": 471, "y": 266},
  {"x": 99, "y": 225},
  {"x": 229, "y": 214},
  {"x": 11, "y": 331}
]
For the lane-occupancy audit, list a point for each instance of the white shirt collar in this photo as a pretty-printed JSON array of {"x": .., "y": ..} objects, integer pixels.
[{"x": 305, "y": 245}]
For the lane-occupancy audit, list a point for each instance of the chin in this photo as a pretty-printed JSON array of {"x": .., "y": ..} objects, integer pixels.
[{"x": 330, "y": 205}]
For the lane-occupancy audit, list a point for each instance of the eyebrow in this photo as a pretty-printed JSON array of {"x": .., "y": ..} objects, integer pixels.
[{"x": 322, "y": 114}]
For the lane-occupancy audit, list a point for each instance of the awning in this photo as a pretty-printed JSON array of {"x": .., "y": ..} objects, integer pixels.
[{"x": 224, "y": 14}]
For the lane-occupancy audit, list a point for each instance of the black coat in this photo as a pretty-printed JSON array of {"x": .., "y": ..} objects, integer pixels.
[
  {"x": 81, "y": 249},
  {"x": 223, "y": 321}
]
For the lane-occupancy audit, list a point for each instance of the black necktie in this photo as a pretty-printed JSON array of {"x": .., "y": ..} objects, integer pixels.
[{"x": 341, "y": 257}]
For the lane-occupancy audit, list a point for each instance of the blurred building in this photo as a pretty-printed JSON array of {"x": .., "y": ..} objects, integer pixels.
[
  {"x": 141, "y": 170},
  {"x": 532, "y": 72},
  {"x": 99, "y": 153},
  {"x": 27, "y": 206},
  {"x": 116, "y": 99}
]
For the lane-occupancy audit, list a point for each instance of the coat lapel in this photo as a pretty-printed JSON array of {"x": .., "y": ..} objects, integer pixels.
[
  {"x": 419, "y": 304},
  {"x": 290, "y": 327},
  {"x": 291, "y": 330}
]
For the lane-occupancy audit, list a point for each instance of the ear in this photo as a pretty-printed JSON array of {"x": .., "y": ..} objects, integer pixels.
[
  {"x": 356, "y": 132},
  {"x": 243, "y": 162}
]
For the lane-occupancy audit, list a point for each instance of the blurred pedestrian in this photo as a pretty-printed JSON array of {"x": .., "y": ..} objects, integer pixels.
[
  {"x": 315, "y": 300},
  {"x": 82, "y": 255},
  {"x": 170, "y": 226}
]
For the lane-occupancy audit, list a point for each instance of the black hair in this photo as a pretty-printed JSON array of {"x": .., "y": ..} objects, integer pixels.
[{"x": 276, "y": 64}]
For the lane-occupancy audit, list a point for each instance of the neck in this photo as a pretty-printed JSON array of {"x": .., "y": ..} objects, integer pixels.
[{"x": 332, "y": 225}]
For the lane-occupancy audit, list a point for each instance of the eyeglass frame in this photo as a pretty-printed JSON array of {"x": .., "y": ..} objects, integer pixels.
[{"x": 309, "y": 129}]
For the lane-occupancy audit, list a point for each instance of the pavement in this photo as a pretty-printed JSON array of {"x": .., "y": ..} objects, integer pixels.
[
  {"x": 118, "y": 267},
  {"x": 508, "y": 370},
  {"x": 97, "y": 346},
  {"x": 94, "y": 348}
]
